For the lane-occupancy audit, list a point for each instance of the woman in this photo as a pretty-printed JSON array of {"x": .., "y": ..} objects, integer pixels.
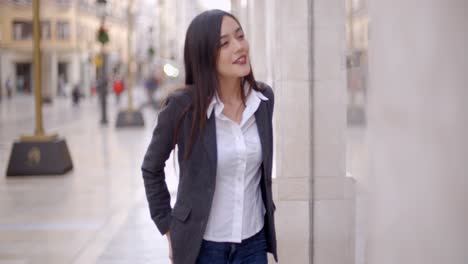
[{"x": 221, "y": 123}]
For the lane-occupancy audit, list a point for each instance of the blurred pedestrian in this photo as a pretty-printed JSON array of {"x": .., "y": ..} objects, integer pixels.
[
  {"x": 61, "y": 86},
  {"x": 9, "y": 87},
  {"x": 221, "y": 123},
  {"x": 151, "y": 86},
  {"x": 118, "y": 87},
  {"x": 76, "y": 95}
]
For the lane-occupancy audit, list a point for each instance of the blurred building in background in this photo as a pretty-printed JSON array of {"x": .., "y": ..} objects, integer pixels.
[
  {"x": 174, "y": 18},
  {"x": 69, "y": 45},
  {"x": 160, "y": 35},
  {"x": 162, "y": 25},
  {"x": 357, "y": 38}
]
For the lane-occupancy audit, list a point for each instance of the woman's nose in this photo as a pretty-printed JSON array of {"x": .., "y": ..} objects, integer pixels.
[{"x": 237, "y": 45}]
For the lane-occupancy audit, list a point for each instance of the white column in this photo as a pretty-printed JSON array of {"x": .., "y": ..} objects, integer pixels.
[
  {"x": 315, "y": 216},
  {"x": 300, "y": 45},
  {"x": 7, "y": 70},
  {"x": 257, "y": 39},
  {"x": 3, "y": 77},
  {"x": 86, "y": 78},
  {"x": 293, "y": 131},
  {"x": 333, "y": 192},
  {"x": 47, "y": 90},
  {"x": 419, "y": 126},
  {"x": 74, "y": 68},
  {"x": 54, "y": 73}
]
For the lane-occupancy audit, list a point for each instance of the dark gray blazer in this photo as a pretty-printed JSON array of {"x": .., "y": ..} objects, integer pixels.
[{"x": 187, "y": 220}]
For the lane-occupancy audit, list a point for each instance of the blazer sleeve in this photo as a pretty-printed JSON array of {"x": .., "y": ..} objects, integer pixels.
[{"x": 153, "y": 165}]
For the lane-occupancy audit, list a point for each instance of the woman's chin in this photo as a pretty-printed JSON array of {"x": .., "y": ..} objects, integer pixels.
[
  {"x": 244, "y": 73},
  {"x": 236, "y": 74}
]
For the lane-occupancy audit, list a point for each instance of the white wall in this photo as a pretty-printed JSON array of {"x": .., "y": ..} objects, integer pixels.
[{"x": 419, "y": 126}]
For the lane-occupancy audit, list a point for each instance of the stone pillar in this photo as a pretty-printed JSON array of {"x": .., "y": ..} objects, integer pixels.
[
  {"x": 333, "y": 192},
  {"x": 8, "y": 70},
  {"x": 257, "y": 38},
  {"x": 418, "y": 125},
  {"x": 315, "y": 216},
  {"x": 75, "y": 75},
  {"x": 49, "y": 74},
  {"x": 46, "y": 76},
  {"x": 2, "y": 77},
  {"x": 86, "y": 82},
  {"x": 54, "y": 73},
  {"x": 293, "y": 86},
  {"x": 256, "y": 18},
  {"x": 300, "y": 45}
]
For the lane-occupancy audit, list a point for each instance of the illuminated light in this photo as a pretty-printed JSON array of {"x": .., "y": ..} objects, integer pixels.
[{"x": 170, "y": 70}]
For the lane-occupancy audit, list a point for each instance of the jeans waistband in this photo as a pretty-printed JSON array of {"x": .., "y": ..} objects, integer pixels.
[{"x": 258, "y": 235}]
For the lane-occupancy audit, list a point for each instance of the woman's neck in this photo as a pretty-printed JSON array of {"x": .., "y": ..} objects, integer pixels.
[{"x": 229, "y": 90}]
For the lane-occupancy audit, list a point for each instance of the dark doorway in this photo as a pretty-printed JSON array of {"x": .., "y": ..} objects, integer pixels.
[
  {"x": 62, "y": 79},
  {"x": 24, "y": 78}
]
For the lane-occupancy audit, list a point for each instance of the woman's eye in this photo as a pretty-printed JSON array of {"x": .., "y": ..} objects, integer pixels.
[
  {"x": 224, "y": 44},
  {"x": 241, "y": 36}
]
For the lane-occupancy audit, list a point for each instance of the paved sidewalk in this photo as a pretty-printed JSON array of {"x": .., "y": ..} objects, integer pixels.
[{"x": 137, "y": 241}]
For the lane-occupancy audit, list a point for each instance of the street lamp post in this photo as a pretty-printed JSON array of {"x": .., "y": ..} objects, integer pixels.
[
  {"x": 102, "y": 78},
  {"x": 39, "y": 154},
  {"x": 130, "y": 117}
]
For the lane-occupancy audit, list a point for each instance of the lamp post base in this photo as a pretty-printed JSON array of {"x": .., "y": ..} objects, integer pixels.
[
  {"x": 39, "y": 157},
  {"x": 130, "y": 118}
]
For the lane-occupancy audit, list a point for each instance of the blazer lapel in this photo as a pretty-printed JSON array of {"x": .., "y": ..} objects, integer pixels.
[{"x": 209, "y": 142}]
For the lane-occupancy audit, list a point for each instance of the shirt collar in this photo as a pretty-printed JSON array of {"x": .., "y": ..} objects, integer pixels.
[{"x": 217, "y": 105}]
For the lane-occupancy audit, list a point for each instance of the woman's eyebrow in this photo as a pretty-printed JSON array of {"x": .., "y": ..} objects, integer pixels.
[{"x": 235, "y": 31}]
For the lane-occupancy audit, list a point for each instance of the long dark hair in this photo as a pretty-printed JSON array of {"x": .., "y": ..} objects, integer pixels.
[{"x": 202, "y": 44}]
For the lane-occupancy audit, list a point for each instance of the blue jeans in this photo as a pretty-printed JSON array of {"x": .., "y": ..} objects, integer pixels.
[{"x": 250, "y": 251}]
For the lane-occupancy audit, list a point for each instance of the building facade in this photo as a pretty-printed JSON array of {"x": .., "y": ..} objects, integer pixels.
[
  {"x": 357, "y": 39},
  {"x": 68, "y": 43}
]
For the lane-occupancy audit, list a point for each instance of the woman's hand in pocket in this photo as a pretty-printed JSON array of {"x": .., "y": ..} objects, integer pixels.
[{"x": 168, "y": 235}]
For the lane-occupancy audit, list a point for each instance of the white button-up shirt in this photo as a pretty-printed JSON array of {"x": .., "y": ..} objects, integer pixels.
[{"x": 237, "y": 211}]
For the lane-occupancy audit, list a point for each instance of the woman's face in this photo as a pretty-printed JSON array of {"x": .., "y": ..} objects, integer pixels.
[{"x": 233, "y": 57}]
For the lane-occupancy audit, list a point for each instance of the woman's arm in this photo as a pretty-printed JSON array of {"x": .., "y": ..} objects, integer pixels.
[{"x": 158, "y": 152}]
